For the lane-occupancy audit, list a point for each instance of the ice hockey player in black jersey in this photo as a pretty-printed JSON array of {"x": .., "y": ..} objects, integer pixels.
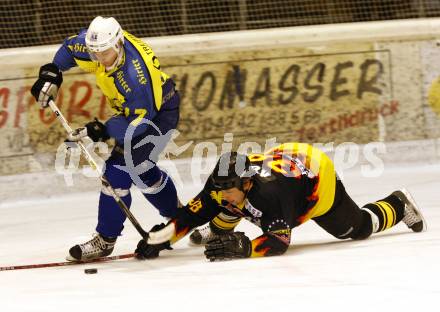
[{"x": 277, "y": 191}]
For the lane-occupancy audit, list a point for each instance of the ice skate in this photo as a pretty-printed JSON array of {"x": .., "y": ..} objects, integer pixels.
[
  {"x": 412, "y": 216},
  {"x": 97, "y": 247},
  {"x": 204, "y": 234}
]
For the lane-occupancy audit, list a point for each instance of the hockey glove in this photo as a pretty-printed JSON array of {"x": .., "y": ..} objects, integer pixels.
[
  {"x": 46, "y": 87},
  {"x": 95, "y": 130},
  {"x": 228, "y": 246},
  {"x": 147, "y": 251}
]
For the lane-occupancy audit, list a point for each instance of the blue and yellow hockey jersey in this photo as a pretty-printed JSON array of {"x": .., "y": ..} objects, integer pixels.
[{"x": 134, "y": 89}]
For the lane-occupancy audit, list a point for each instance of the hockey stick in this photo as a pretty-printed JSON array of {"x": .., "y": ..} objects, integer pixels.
[
  {"x": 57, "y": 264},
  {"x": 104, "y": 180}
]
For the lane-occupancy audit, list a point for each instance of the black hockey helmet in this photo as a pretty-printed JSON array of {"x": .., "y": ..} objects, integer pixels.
[{"x": 231, "y": 170}]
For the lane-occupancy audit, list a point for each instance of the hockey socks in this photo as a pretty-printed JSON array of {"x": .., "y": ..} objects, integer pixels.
[
  {"x": 385, "y": 213},
  {"x": 110, "y": 216}
]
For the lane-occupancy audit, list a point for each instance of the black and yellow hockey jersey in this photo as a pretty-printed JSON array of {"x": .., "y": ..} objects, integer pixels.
[{"x": 294, "y": 182}]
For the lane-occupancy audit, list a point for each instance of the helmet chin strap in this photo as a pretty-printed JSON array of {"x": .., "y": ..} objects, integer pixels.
[
  {"x": 245, "y": 191},
  {"x": 118, "y": 60}
]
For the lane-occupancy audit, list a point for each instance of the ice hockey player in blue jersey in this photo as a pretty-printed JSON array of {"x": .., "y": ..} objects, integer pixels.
[{"x": 146, "y": 106}]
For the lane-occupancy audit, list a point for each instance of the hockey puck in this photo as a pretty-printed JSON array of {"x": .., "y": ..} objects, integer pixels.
[{"x": 91, "y": 271}]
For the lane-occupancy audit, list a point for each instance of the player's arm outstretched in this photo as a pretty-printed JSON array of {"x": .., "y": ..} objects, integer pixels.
[
  {"x": 273, "y": 242},
  {"x": 198, "y": 211}
]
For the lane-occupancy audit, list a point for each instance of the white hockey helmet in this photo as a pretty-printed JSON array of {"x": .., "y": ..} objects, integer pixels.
[{"x": 103, "y": 33}]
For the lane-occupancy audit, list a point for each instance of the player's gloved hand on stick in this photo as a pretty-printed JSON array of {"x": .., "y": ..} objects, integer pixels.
[
  {"x": 46, "y": 87},
  {"x": 147, "y": 251},
  {"x": 228, "y": 246},
  {"x": 95, "y": 130}
]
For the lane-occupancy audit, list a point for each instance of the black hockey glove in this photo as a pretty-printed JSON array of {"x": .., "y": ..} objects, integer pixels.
[
  {"x": 46, "y": 87},
  {"x": 95, "y": 130},
  {"x": 147, "y": 251},
  {"x": 228, "y": 246}
]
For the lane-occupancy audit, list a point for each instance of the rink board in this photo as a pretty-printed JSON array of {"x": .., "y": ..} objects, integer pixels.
[{"x": 340, "y": 83}]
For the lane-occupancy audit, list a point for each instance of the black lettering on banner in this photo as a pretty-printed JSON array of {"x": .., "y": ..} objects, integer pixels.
[
  {"x": 206, "y": 125},
  {"x": 369, "y": 85},
  {"x": 201, "y": 106},
  {"x": 240, "y": 81},
  {"x": 293, "y": 72},
  {"x": 229, "y": 122},
  {"x": 187, "y": 125},
  {"x": 246, "y": 121},
  {"x": 263, "y": 79},
  {"x": 231, "y": 90},
  {"x": 338, "y": 80},
  {"x": 217, "y": 124},
  {"x": 319, "y": 69},
  {"x": 294, "y": 118},
  {"x": 312, "y": 116},
  {"x": 282, "y": 118},
  {"x": 269, "y": 120}
]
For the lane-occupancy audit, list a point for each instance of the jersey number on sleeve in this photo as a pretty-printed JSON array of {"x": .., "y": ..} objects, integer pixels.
[
  {"x": 195, "y": 205},
  {"x": 140, "y": 112}
]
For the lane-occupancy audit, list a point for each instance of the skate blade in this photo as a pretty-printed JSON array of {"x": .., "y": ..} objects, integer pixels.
[{"x": 72, "y": 259}]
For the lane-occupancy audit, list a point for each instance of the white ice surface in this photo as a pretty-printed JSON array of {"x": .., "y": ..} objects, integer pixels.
[{"x": 396, "y": 270}]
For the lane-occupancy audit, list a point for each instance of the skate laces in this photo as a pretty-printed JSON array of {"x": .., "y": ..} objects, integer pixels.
[
  {"x": 410, "y": 217},
  {"x": 410, "y": 214},
  {"x": 95, "y": 245},
  {"x": 206, "y": 233}
]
